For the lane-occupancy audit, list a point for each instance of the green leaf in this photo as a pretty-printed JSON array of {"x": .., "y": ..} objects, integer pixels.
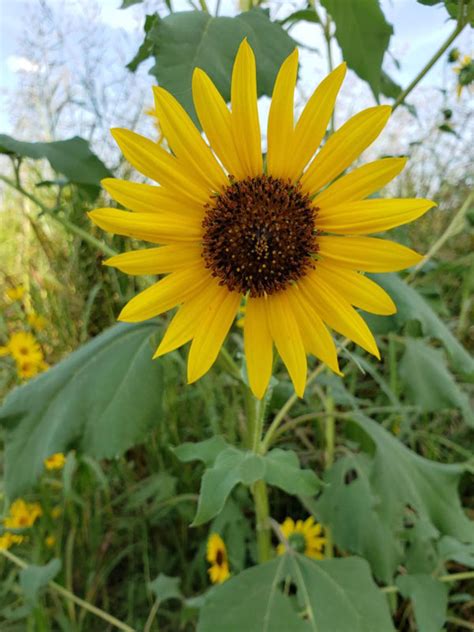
[
  {"x": 330, "y": 595},
  {"x": 187, "y": 40},
  {"x": 102, "y": 399},
  {"x": 430, "y": 600},
  {"x": 73, "y": 158},
  {"x": 165, "y": 587},
  {"x": 205, "y": 451},
  {"x": 403, "y": 481},
  {"x": 33, "y": 578},
  {"x": 428, "y": 382},
  {"x": 363, "y": 35},
  {"x": 455, "y": 551},
  {"x": 412, "y": 306},
  {"x": 128, "y": 3},
  {"x": 388, "y": 87},
  {"x": 232, "y": 466},
  {"x": 349, "y": 506}
]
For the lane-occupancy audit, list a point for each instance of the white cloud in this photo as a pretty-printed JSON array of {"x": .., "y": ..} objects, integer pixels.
[{"x": 16, "y": 63}]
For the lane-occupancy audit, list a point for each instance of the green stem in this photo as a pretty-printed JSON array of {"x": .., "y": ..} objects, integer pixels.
[
  {"x": 330, "y": 441},
  {"x": 203, "y": 5},
  {"x": 459, "y": 27},
  {"x": 255, "y": 419},
  {"x": 71, "y": 597},
  {"x": 453, "y": 577},
  {"x": 83, "y": 234}
]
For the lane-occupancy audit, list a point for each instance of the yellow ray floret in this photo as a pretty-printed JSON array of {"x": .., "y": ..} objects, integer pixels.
[{"x": 288, "y": 240}]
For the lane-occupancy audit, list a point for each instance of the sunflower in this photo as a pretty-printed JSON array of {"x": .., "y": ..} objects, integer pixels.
[
  {"x": 23, "y": 346},
  {"x": 235, "y": 229},
  {"x": 217, "y": 557},
  {"x": 55, "y": 462},
  {"x": 304, "y": 537},
  {"x": 22, "y": 514},
  {"x": 7, "y": 539}
]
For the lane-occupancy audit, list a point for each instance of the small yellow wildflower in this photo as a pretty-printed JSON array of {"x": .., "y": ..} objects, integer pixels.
[
  {"x": 55, "y": 462},
  {"x": 303, "y": 537},
  {"x": 56, "y": 512},
  {"x": 8, "y": 539},
  {"x": 217, "y": 558},
  {"x": 36, "y": 321},
  {"x": 50, "y": 541},
  {"x": 15, "y": 293},
  {"x": 465, "y": 72},
  {"x": 22, "y": 515},
  {"x": 22, "y": 345}
]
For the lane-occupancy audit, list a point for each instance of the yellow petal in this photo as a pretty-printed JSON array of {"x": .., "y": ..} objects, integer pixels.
[
  {"x": 157, "y": 260},
  {"x": 186, "y": 142},
  {"x": 214, "y": 325},
  {"x": 281, "y": 119},
  {"x": 343, "y": 147},
  {"x": 185, "y": 322},
  {"x": 154, "y": 227},
  {"x": 216, "y": 121},
  {"x": 166, "y": 294},
  {"x": 258, "y": 346},
  {"x": 337, "y": 312},
  {"x": 356, "y": 288},
  {"x": 287, "y": 337},
  {"x": 245, "y": 124},
  {"x": 159, "y": 165},
  {"x": 361, "y": 182},
  {"x": 367, "y": 253},
  {"x": 314, "y": 119},
  {"x": 370, "y": 216},
  {"x": 145, "y": 198},
  {"x": 316, "y": 338}
]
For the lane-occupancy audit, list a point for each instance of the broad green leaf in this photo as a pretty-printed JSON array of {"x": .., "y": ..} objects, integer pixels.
[
  {"x": 73, "y": 158},
  {"x": 453, "y": 550},
  {"x": 429, "y": 598},
  {"x": 205, "y": 451},
  {"x": 33, "y": 578},
  {"x": 349, "y": 506},
  {"x": 165, "y": 587},
  {"x": 102, "y": 399},
  {"x": 128, "y": 3},
  {"x": 363, "y": 34},
  {"x": 428, "y": 382},
  {"x": 331, "y": 595},
  {"x": 187, "y": 40},
  {"x": 412, "y": 306},
  {"x": 403, "y": 481},
  {"x": 388, "y": 87},
  {"x": 232, "y": 466}
]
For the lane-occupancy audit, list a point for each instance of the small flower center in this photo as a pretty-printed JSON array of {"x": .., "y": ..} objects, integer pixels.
[
  {"x": 220, "y": 557},
  {"x": 259, "y": 235},
  {"x": 297, "y": 542}
]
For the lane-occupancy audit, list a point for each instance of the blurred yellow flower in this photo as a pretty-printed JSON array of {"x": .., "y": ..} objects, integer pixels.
[
  {"x": 36, "y": 321},
  {"x": 25, "y": 350},
  {"x": 50, "y": 541},
  {"x": 55, "y": 462},
  {"x": 217, "y": 558},
  {"x": 56, "y": 512},
  {"x": 8, "y": 539},
  {"x": 22, "y": 514},
  {"x": 15, "y": 293},
  {"x": 303, "y": 537},
  {"x": 465, "y": 72}
]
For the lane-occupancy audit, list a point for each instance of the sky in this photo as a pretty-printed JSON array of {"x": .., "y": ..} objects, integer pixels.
[{"x": 418, "y": 32}]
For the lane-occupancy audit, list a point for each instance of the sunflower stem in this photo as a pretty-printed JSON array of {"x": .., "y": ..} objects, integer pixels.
[
  {"x": 461, "y": 23},
  {"x": 330, "y": 441},
  {"x": 255, "y": 419}
]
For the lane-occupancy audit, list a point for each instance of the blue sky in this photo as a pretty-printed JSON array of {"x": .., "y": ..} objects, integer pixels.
[{"x": 419, "y": 30}]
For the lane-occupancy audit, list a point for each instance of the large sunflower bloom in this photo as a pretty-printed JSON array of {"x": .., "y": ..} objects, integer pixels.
[{"x": 233, "y": 228}]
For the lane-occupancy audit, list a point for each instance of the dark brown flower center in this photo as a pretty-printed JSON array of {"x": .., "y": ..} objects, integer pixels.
[
  {"x": 259, "y": 235},
  {"x": 220, "y": 557}
]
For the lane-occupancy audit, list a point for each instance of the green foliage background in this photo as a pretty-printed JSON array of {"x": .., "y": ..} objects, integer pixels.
[{"x": 149, "y": 457}]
